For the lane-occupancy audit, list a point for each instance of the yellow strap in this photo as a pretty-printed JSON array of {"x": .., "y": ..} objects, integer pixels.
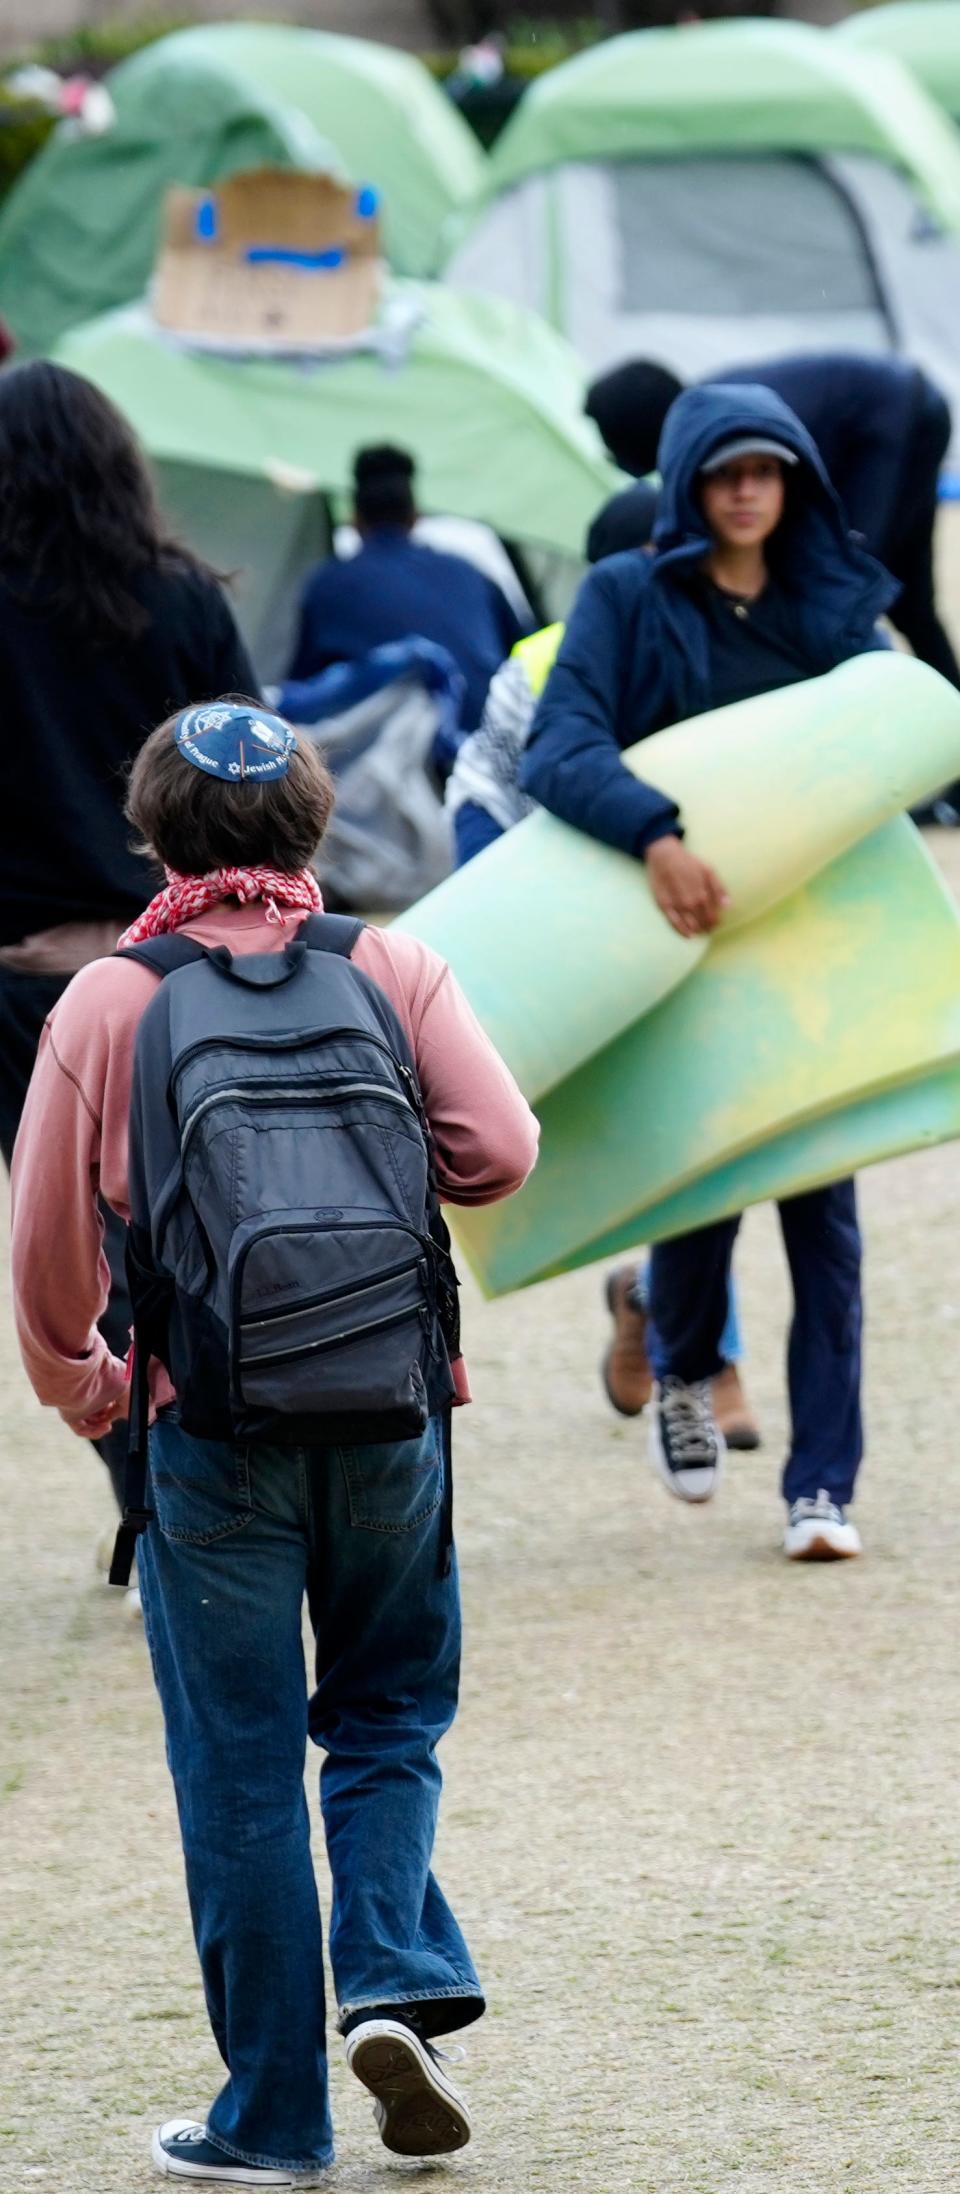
[{"x": 538, "y": 655}]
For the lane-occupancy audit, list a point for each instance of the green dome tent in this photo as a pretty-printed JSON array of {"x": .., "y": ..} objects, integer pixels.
[
  {"x": 924, "y": 34},
  {"x": 255, "y": 456},
  {"x": 751, "y": 86},
  {"x": 79, "y": 233},
  {"x": 725, "y": 191}
]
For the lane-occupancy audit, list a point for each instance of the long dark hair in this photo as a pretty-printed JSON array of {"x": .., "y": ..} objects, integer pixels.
[{"x": 78, "y": 511}]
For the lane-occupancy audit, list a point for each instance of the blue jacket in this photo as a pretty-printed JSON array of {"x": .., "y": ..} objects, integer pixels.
[
  {"x": 394, "y": 590},
  {"x": 635, "y": 656}
]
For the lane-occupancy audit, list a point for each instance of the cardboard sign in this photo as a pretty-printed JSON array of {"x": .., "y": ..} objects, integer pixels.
[{"x": 272, "y": 260}]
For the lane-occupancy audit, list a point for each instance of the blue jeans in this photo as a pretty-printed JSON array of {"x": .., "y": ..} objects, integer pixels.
[
  {"x": 239, "y": 1537},
  {"x": 689, "y": 1293},
  {"x": 732, "y": 1350}
]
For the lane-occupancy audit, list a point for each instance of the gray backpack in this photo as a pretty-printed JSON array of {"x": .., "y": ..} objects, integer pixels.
[{"x": 288, "y": 1262}]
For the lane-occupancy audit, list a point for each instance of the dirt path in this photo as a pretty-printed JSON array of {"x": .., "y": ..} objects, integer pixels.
[{"x": 700, "y": 1814}]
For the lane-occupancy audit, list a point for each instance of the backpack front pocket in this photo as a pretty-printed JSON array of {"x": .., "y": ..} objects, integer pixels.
[{"x": 328, "y": 1319}]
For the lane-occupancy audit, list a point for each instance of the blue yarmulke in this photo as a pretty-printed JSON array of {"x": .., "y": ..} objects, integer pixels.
[{"x": 231, "y": 740}]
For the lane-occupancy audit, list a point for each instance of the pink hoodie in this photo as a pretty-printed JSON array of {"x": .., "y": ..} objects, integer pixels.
[{"x": 73, "y": 1136}]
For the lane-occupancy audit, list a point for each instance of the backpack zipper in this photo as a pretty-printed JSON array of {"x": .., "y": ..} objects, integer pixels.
[
  {"x": 296, "y": 1041},
  {"x": 329, "y": 1295},
  {"x": 333, "y": 1340},
  {"x": 285, "y": 1093}
]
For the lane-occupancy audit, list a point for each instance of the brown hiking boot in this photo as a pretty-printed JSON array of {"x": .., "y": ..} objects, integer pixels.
[
  {"x": 626, "y": 1366},
  {"x": 732, "y": 1412}
]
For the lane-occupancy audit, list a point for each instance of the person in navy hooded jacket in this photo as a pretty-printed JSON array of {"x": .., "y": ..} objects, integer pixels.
[{"x": 755, "y": 584}]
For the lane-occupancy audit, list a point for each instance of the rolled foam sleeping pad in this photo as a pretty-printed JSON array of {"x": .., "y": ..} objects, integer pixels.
[
  {"x": 816, "y": 1031},
  {"x": 740, "y": 1086},
  {"x": 557, "y": 940}
]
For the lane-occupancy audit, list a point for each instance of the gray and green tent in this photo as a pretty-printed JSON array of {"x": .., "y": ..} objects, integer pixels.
[
  {"x": 923, "y": 34},
  {"x": 255, "y": 456},
  {"x": 79, "y": 232},
  {"x": 723, "y": 192}
]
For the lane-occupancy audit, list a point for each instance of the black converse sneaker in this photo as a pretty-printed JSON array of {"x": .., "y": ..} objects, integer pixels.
[
  {"x": 418, "y": 2110},
  {"x": 182, "y": 2149},
  {"x": 819, "y": 1531},
  {"x": 686, "y": 1445}
]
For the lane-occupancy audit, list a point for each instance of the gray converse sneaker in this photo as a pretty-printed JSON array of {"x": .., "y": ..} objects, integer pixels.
[
  {"x": 819, "y": 1531},
  {"x": 182, "y": 2149},
  {"x": 418, "y": 2110},
  {"x": 687, "y": 1447}
]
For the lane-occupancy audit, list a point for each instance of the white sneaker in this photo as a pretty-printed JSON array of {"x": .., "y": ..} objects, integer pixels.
[
  {"x": 687, "y": 1448},
  {"x": 182, "y": 2149},
  {"x": 818, "y": 1531},
  {"x": 419, "y": 2111}
]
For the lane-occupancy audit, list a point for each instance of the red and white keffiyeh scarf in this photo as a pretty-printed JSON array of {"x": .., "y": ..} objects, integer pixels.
[{"x": 187, "y": 896}]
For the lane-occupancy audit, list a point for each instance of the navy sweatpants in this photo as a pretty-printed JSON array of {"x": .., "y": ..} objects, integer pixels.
[{"x": 688, "y": 1294}]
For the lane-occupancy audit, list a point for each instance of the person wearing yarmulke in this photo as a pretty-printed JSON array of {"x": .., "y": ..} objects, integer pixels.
[
  {"x": 274, "y": 1100},
  {"x": 106, "y": 623}
]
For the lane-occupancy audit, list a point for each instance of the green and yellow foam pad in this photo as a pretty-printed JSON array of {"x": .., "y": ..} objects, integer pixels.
[{"x": 816, "y": 1032}]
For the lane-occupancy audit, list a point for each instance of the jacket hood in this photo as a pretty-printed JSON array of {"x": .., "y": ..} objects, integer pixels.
[
  {"x": 698, "y": 423},
  {"x": 816, "y": 554}
]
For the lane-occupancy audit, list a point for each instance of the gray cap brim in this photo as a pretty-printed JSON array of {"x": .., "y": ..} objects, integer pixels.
[{"x": 749, "y": 445}]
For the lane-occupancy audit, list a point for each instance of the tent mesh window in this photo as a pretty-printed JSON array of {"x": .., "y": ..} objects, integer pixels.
[{"x": 732, "y": 235}]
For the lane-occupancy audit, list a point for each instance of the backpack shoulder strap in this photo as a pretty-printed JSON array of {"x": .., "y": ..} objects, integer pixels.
[
  {"x": 336, "y": 933},
  {"x": 164, "y": 954},
  {"x": 331, "y": 933}
]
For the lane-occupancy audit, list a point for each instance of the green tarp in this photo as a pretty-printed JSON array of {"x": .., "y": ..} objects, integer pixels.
[
  {"x": 730, "y": 87},
  {"x": 925, "y": 34},
  {"x": 79, "y": 233}
]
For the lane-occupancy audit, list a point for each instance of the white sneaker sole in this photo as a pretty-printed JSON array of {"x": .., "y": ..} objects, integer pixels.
[
  {"x": 231, "y": 2175},
  {"x": 419, "y": 2112},
  {"x": 816, "y": 1542},
  {"x": 694, "y": 1486}
]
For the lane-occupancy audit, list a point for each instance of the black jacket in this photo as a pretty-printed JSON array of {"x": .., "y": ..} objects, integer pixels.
[{"x": 72, "y": 718}]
